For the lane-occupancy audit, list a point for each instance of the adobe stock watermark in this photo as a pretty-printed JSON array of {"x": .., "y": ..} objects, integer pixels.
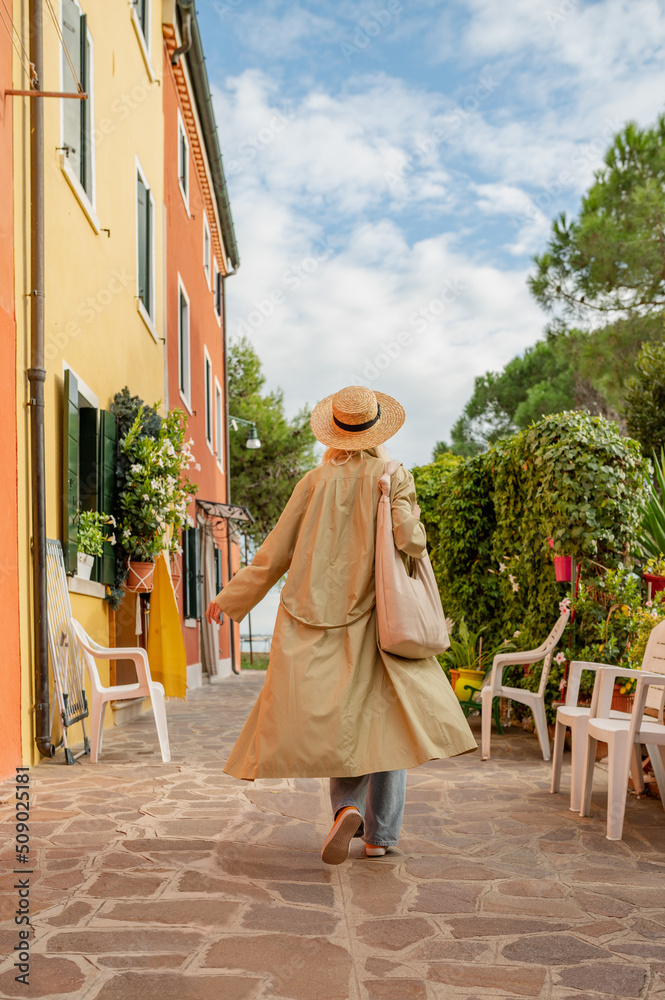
[
  {"x": 565, "y": 179},
  {"x": 88, "y": 310},
  {"x": 225, "y": 7},
  {"x": 419, "y": 321},
  {"x": 249, "y": 148},
  {"x": 483, "y": 90},
  {"x": 370, "y": 28},
  {"x": 292, "y": 279},
  {"x": 563, "y": 11}
]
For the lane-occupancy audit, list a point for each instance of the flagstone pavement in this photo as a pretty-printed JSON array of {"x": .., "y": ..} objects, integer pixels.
[{"x": 177, "y": 882}]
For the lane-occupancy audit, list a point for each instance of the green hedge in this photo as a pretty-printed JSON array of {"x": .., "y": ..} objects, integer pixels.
[{"x": 570, "y": 477}]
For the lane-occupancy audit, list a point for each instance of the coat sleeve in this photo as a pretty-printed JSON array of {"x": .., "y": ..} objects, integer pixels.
[
  {"x": 270, "y": 563},
  {"x": 408, "y": 532}
]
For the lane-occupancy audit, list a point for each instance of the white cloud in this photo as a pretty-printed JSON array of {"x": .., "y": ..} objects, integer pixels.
[{"x": 332, "y": 189}]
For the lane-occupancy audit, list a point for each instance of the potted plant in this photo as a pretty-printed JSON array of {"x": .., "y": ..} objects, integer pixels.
[
  {"x": 465, "y": 659},
  {"x": 91, "y": 538},
  {"x": 654, "y": 574},
  {"x": 155, "y": 496}
]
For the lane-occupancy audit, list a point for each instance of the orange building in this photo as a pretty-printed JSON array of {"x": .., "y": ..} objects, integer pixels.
[
  {"x": 10, "y": 661},
  {"x": 201, "y": 252}
]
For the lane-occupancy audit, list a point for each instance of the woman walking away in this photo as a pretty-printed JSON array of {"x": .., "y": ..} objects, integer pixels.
[{"x": 334, "y": 704}]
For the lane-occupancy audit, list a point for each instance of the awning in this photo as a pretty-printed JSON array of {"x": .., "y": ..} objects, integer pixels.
[{"x": 218, "y": 516}]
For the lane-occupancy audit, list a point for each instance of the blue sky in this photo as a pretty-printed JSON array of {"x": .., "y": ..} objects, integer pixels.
[{"x": 394, "y": 166}]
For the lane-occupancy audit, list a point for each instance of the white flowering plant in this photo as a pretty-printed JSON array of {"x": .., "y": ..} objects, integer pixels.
[
  {"x": 90, "y": 531},
  {"x": 157, "y": 489}
]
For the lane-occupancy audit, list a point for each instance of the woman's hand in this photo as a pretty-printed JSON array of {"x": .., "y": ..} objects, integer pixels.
[{"x": 214, "y": 613}]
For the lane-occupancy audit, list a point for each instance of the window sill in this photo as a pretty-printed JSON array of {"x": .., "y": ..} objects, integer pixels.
[
  {"x": 147, "y": 319},
  {"x": 143, "y": 46},
  {"x": 186, "y": 402},
  {"x": 80, "y": 194},
  {"x": 77, "y": 585},
  {"x": 191, "y": 622}
]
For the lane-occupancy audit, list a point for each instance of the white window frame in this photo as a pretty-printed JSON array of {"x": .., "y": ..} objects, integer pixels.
[
  {"x": 87, "y": 201},
  {"x": 182, "y": 134},
  {"x": 220, "y": 437},
  {"x": 207, "y": 249},
  {"x": 143, "y": 312},
  {"x": 215, "y": 274},
  {"x": 208, "y": 400},
  {"x": 186, "y": 397},
  {"x": 143, "y": 39}
]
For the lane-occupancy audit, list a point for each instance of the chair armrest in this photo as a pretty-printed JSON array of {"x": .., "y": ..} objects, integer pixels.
[
  {"x": 603, "y": 688},
  {"x": 644, "y": 683},
  {"x": 577, "y": 667},
  {"x": 135, "y": 653}
]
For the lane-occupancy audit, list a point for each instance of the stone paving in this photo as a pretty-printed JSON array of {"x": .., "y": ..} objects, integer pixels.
[{"x": 177, "y": 882}]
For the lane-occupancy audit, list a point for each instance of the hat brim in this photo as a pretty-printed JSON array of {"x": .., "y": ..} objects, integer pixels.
[{"x": 327, "y": 432}]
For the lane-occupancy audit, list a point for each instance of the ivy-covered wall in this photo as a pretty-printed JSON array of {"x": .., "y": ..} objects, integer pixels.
[{"x": 572, "y": 478}]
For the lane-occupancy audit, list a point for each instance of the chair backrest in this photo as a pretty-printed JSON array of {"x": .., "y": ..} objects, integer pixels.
[
  {"x": 87, "y": 646},
  {"x": 547, "y": 648},
  {"x": 654, "y": 663},
  {"x": 64, "y": 649}
]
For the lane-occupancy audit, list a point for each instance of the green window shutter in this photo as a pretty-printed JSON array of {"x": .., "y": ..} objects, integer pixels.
[
  {"x": 219, "y": 579},
  {"x": 72, "y": 24},
  {"x": 144, "y": 226},
  {"x": 106, "y": 491},
  {"x": 192, "y": 573},
  {"x": 70, "y": 469}
]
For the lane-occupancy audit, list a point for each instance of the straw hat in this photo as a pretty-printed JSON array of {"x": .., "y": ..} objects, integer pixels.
[{"x": 356, "y": 418}]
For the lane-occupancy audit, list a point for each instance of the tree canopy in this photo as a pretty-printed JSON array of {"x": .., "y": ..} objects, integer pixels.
[
  {"x": 263, "y": 479},
  {"x": 602, "y": 277}
]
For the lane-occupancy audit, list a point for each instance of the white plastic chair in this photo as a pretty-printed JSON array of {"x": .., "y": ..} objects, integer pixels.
[
  {"x": 576, "y": 717},
  {"x": 535, "y": 700},
  {"x": 625, "y": 735},
  {"x": 144, "y": 687}
]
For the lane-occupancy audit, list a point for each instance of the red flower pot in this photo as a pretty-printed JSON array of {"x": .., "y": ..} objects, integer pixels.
[
  {"x": 621, "y": 702},
  {"x": 657, "y": 582},
  {"x": 563, "y": 568}
]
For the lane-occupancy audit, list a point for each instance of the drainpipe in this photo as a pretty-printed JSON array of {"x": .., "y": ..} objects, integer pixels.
[
  {"x": 36, "y": 377},
  {"x": 227, "y": 464},
  {"x": 186, "y": 11}
]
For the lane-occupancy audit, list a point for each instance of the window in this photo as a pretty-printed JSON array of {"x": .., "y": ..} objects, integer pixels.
[
  {"x": 208, "y": 398},
  {"x": 145, "y": 238},
  {"x": 183, "y": 162},
  {"x": 191, "y": 571},
  {"x": 206, "y": 250},
  {"x": 88, "y": 468},
  {"x": 141, "y": 8},
  {"x": 183, "y": 344},
  {"x": 219, "y": 426},
  {"x": 77, "y": 116},
  {"x": 218, "y": 288}
]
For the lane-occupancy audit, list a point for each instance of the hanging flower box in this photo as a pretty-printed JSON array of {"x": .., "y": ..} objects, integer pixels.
[
  {"x": 140, "y": 577},
  {"x": 563, "y": 568},
  {"x": 84, "y": 564}
]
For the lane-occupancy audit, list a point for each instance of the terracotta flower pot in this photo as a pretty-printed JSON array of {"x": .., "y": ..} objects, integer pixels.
[
  {"x": 454, "y": 677},
  {"x": 467, "y": 679},
  {"x": 621, "y": 702},
  {"x": 654, "y": 582},
  {"x": 563, "y": 568},
  {"x": 140, "y": 577}
]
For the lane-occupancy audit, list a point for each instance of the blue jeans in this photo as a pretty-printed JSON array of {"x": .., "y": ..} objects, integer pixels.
[{"x": 379, "y": 798}]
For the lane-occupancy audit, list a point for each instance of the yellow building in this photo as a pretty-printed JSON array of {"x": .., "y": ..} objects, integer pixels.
[{"x": 104, "y": 276}]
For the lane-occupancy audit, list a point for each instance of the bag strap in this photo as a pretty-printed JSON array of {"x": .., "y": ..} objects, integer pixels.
[{"x": 389, "y": 470}]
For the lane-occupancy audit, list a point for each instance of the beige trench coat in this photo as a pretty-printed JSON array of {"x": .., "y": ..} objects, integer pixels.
[{"x": 333, "y": 703}]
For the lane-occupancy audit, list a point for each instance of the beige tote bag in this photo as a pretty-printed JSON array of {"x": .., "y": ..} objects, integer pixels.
[{"x": 410, "y": 617}]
